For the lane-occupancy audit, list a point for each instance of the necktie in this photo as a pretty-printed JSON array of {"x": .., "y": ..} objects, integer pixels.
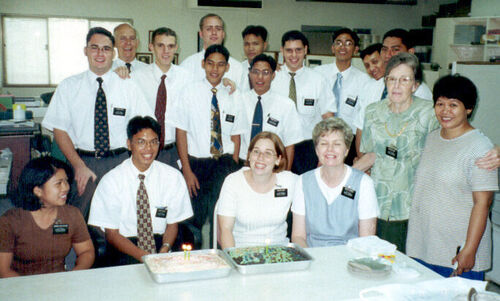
[
  {"x": 101, "y": 130},
  {"x": 161, "y": 106},
  {"x": 216, "y": 134},
  {"x": 384, "y": 94},
  {"x": 257, "y": 119},
  {"x": 336, "y": 90},
  {"x": 145, "y": 237},
  {"x": 292, "y": 94},
  {"x": 128, "y": 66}
]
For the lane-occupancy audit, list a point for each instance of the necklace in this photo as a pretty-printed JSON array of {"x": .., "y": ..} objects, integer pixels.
[{"x": 395, "y": 135}]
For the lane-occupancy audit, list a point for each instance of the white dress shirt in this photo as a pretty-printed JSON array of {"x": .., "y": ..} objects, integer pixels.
[
  {"x": 149, "y": 78},
  {"x": 193, "y": 65},
  {"x": 114, "y": 204},
  {"x": 245, "y": 81},
  {"x": 351, "y": 94},
  {"x": 136, "y": 65},
  {"x": 314, "y": 97},
  {"x": 193, "y": 115},
  {"x": 279, "y": 117},
  {"x": 72, "y": 108}
]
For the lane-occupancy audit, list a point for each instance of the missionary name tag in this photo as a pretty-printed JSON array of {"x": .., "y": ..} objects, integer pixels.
[
  {"x": 351, "y": 100},
  {"x": 391, "y": 151},
  {"x": 309, "y": 102},
  {"x": 280, "y": 192},
  {"x": 272, "y": 121},
  {"x": 161, "y": 212},
  {"x": 348, "y": 192},
  {"x": 229, "y": 118},
  {"x": 119, "y": 111},
  {"x": 60, "y": 229}
]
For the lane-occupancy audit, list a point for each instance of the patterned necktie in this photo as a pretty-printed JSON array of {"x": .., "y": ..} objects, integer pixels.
[
  {"x": 101, "y": 130},
  {"x": 336, "y": 90},
  {"x": 216, "y": 134},
  {"x": 128, "y": 66},
  {"x": 257, "y": 119},
  {"x": 384, "y": 94},
  {"x": 161, "y": 106},
  {"x": 292, "y": 94},
  {"x": 145, "y": 236}
]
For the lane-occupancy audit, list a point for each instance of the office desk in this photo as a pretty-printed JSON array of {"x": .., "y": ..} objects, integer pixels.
[{"x": 326, "y": 279}]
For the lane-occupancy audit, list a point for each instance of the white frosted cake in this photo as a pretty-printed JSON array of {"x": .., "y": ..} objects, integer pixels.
[{"x": 178, "y": 263}]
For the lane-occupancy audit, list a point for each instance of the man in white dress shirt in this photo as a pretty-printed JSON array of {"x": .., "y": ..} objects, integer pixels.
[
  {"x": 277, "y": 112},
  {"x": 161, "y": 83},
  {"x": 346, "y": 82},
  {"x": 309, "y": 91},
  {"x": 90, "y": 135},
  {"x": 114, "y": 206},
  {"x": 212, "y": 33},
  {"x": 254, "y": 43},
  {"x": 126, "y": 44},
  {"x": 209, "y": 123}
]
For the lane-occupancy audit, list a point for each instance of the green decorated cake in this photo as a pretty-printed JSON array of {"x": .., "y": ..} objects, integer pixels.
[{"x": 266, "y": 255}]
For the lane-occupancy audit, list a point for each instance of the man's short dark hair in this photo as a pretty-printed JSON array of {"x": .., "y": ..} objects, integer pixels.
[
  {"x": 139, "y": 123},
  {"x": 202, "y": 20},
  {"x": 264, "y": 58},
  {"x": 294, "y": 35},
  {"x": 457, "y": 87},
  {"x": 348, "y": 31},
  {"x": 257, "y": 30},
  {"x": 217, "y": 49},
  {"x": 163, "y": 31},
  {"x": 35, "y": 174},
  {"x": 402, "y": 34},
  {"x": 100, "y": 30},
  {"x": 370, "y": 50}
]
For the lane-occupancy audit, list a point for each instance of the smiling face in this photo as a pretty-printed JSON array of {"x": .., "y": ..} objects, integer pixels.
[
  {"x": 164, "y": 48},
  {"x": 294, "y": 53},
  {"x": 54, "y": 192},
  {"x": 100, "y": 53},
  {"x": 126, "y": 43},
  {"x": 215, "y": 66},
  {"x": 393, "y": 46},
  {"x": 343, "y": 47},
  {"x": 331, "y": 149},
  {"x": 261, "y": 76},
  {"x": 253, "y": 46},
  {"x": 262, "y": 158},
  {"x": 374, "y": 65},
  {"x": 212, "y": 32},
  {"x": 144, "y": 147},
  {"x": 451, "y": 114},
  {"x": 401, "y": 84}
]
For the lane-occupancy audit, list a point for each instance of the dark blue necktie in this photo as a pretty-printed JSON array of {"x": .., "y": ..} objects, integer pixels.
[
  {"x": 257, "y": 119},
  {"x": 384, "y": 94},
  {"x": 101, "y": 130}
]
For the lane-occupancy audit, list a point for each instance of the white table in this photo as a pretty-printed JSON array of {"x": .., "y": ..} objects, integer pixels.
[{"x": 326, "y": 279}]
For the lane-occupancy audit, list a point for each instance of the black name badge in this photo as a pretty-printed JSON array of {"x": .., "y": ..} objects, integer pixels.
[
  {"x": 309, "y": 102},
  {"x": 351, "y": 101},
  {"x": 229, "y": 118},
  {"x": 119, "y": 111},
  {"x": 161, "y": 212},
  {"x": 60, "y": 229},
  {"x": 391, "y": 151},
  {"x": 272, "y": 121},
  {"x": 348, "y": 192},
  {"x": 280, "y": 192}
]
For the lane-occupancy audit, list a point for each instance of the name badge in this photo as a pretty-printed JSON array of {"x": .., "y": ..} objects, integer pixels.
[
  {"x": 272, "y": 121},
  {"x": 351, "y": 100},
  {"x": 229, "y": 118},
  {"x": 119, "y": 111},
  {"x": 280, "y": 192},
  {"x": 161, "y": 212},
  {"x": 348, "y": 192},
  {"x": 60, "y": 229},
  {"x": 309, "y": 102},
  {"x": 391, "y": 151}
]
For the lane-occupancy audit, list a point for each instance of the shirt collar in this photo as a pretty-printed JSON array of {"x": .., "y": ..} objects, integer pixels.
[
  {"x": 157, "y": 73},
  {"x": 92, "y": 77},
  {"x": 137, "y": 172},
  {"x": 254, "y": 95},
  {"x": 298, "y": 72},
  {"x": 219, "y": 87}
]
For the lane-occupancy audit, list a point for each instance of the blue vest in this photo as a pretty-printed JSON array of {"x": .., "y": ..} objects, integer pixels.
[{"x": 334, "y": 224}]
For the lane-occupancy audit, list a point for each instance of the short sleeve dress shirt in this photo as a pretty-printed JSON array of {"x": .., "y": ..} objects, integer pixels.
[{"x": 136, "y": 65}]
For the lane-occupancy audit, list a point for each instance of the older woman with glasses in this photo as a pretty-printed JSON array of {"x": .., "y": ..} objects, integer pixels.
[
  {"x": 254, "y": 201},
  {"x": 333, "y": 203}
]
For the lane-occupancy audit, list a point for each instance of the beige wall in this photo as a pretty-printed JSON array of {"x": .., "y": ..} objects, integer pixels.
[{"x": 277, "y": 16}]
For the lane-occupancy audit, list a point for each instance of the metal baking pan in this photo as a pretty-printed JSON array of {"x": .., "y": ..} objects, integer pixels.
[
  {"x": 188, "y": 276},
  {"x": 272, "y": 267}
]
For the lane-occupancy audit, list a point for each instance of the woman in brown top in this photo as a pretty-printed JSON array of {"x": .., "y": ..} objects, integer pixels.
[{"x": 36, "y": 236}]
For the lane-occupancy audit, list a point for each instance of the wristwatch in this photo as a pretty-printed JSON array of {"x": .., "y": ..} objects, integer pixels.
[{"x": 168, "y": 246}]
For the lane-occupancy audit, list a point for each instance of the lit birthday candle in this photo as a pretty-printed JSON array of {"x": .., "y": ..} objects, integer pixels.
[
  {"x": 184, "y": 248},
  {"x": 267, "y": 241},
  {"x": 189, "y": 247}
]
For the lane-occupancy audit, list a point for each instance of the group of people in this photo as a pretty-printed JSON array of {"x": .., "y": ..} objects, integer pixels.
[{"x": 150, "y": 146}]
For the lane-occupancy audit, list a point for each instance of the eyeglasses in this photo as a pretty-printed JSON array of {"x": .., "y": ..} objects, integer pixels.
[
  {"x": 141, "y": 143},
  {"x": 95, "y": 48},
  {"x": 258, "y": 72},
  {"x": 266, "y": 154},
  {"x": 403, "y": 81},
  {"x": 347, "y": 43}
]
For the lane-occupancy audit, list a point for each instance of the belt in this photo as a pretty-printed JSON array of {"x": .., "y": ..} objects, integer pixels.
[
  {"x": 111, "y": 153},
  {"x": 168, "y": 146}
]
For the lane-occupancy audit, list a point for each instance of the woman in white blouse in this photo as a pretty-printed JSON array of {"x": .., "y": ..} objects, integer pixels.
[{"x": 254, "y": 201}]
